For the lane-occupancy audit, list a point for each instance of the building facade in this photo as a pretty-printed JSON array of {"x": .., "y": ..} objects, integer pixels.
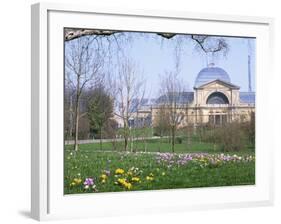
[{"x": 215, "y": 100}]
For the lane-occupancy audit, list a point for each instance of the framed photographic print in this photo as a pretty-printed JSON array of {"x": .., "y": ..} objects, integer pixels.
[{"x": 155, "y": 111}]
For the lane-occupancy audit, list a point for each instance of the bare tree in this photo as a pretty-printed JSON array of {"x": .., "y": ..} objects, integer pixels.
[
  {"x": 130, "y": 90},
  {"x": 171, "y": 91},
  {"x": 172, "y": 99},
  {"x": 83, "y": 62}
]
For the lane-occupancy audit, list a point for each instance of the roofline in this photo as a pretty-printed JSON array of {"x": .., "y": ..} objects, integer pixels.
[
  {"x": 217, "y": 80},
  {"x": 252, "y": 92}
]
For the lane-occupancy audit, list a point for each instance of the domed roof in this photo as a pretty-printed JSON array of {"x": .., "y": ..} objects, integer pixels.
[{"x": 209, "y": 74}]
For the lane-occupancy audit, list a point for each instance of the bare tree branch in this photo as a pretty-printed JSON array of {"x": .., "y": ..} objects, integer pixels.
[
  {"x": 72, "y": 33},
  {"x": 210, "y": 44}
]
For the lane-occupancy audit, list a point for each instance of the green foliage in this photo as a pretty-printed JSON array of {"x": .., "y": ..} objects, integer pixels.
[{"x": 100, "y": 111}]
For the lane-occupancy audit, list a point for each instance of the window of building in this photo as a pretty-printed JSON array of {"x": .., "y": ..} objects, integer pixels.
[{"x": 217, "y": 98}]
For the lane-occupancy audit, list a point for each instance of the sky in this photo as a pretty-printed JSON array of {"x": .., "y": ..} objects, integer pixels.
[
  {"x": 154, "y": 55},
  {"x": 154, "y": 58}
]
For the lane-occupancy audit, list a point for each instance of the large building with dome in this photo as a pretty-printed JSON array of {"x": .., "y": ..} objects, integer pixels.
[{"x": 215, "y": 100}]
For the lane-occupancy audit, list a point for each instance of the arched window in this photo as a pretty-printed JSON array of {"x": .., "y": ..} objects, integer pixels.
[{"x": 217, "y": 98}]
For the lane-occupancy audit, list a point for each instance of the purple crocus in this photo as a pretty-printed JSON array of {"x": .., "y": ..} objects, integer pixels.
[{"x": 89, "y": 182}]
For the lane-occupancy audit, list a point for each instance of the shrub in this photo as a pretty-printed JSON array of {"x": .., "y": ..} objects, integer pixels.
[
  {"x": 178, "y": 140},
  {"x": 229, "y": 137},
  {"x": 249, "y": 129}
]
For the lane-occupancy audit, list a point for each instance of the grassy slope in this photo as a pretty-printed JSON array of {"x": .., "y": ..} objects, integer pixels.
[{"x": 91, "y": 163}]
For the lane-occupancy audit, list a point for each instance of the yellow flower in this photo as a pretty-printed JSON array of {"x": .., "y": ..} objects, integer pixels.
[
  {"x": 124, "y": 183},
  {"x": 149, "y": 178},
  {"x": 77, "y": 181},
  {"x": 128, "y": 186},
  {"x": 163, "y": 173},
  {"x": 119, "y": 171},
  {"x": 103, "y": 176},
  {"x": 121, "y": 180},
  {"x": 135, "y": 179},
  {"x": 129, "y": 173}
]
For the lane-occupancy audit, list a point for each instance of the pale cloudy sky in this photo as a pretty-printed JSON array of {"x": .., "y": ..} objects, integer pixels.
[
  {"x": 154, "y": 55},
  {"x": 155, "y": 58}
]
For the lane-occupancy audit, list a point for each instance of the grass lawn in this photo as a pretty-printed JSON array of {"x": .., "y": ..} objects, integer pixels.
[
  {"x": 154, "y": 145},
  {"x": 121, "y": 171},
  {"x": 138, "y": 132}
]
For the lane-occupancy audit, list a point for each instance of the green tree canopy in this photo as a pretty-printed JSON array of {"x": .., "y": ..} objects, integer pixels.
[{"x": 100, "y": 109}]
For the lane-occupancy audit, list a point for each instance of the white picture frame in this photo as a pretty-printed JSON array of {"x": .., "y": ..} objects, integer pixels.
[{"x": 47, "y": 199}]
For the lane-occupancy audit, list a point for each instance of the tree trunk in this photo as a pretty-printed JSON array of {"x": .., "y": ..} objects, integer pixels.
[
  {"x": 125, "y": 136},
  {"x": 71, "y": 118},
  {"x": 173, "y": 138},
  {"x": 76, "y": 129},
  {"x": 159, "y": 148},
  {"x": 126, "y": 143},
  {"x": 77, "y": 114}
]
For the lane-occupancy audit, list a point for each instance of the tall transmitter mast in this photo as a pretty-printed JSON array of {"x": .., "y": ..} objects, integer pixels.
[{"x": 249, "y": 67}]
